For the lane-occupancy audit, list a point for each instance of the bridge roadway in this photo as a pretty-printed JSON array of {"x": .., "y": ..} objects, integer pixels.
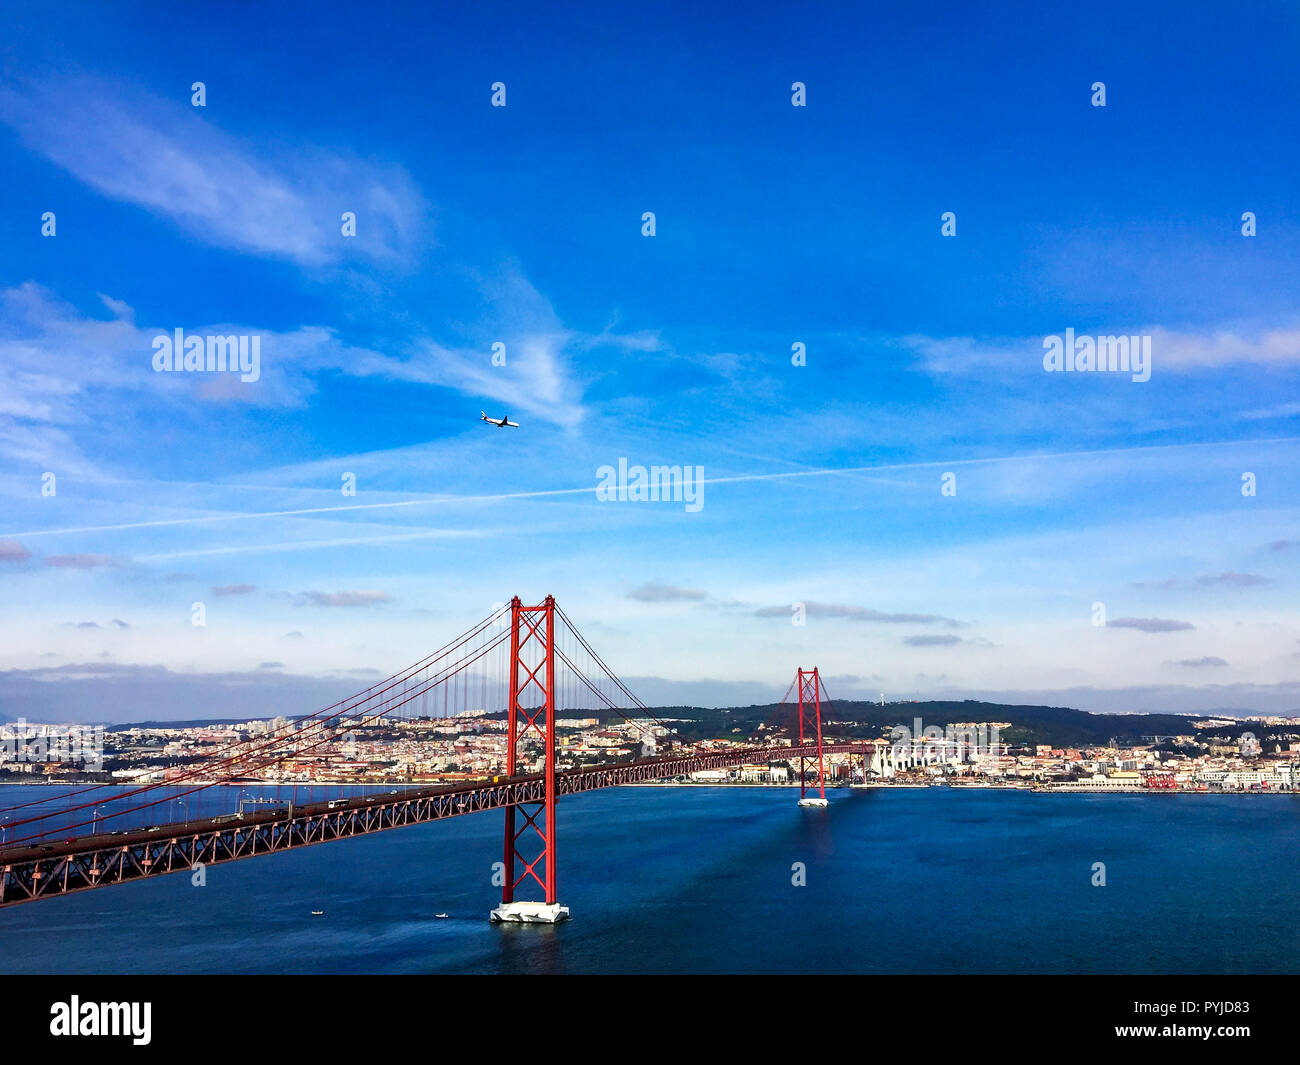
[{"x": 33, "y": 871}]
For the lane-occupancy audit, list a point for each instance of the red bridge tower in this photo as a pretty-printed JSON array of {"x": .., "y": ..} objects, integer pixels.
[
  {"x": 810, "y": 703},
  {"x": 531, "y": 715}
]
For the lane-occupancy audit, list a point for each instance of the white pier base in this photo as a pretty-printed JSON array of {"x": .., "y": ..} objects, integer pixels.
[
  {"x": 529, "y": 913},
  {"x": 814, "y": 802}
]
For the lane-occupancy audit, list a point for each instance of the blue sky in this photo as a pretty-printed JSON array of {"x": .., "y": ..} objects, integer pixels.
[{"x": 775, "y": 224}]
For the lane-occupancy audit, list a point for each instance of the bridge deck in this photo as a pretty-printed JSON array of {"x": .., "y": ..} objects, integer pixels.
[{"x": 44, "y": 870}]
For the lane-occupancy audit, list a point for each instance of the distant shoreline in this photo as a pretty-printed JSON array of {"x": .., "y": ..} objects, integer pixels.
[
  {"x": 1065, "y": 789},
  {"x": 1060, "y": 789}
]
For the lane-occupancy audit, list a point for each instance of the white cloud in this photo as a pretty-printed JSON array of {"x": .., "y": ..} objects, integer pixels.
[
  {"x": 654, "y": 592},
  {"x": 168, "y": 158},
  {"x": 55, "y": 362},
  {"x": 59, "y": 370},
  {"x": 1187, "y": 351},
  {"x": 363, "y": 597},
  {"x": 537, "y": 377},
  {"x": 1170, "y": 349}
]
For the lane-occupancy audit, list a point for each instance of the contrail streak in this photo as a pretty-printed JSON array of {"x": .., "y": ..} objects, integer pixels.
[{"x": 742, "y": 478}]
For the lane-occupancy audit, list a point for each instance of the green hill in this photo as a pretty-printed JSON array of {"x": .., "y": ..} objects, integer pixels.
[{"x": 1060, "y": 726}]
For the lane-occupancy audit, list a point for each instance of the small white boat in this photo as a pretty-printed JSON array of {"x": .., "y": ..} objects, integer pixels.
[
  {"x": 814, "y": 802},
  {"x": 440, "y": 915},
  {"x": 317, "y": 913}
]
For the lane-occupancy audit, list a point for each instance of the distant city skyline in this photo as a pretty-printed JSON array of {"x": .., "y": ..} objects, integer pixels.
[{"x": 892, "y": 484}]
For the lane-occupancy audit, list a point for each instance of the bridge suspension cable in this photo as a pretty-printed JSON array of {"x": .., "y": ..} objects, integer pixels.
[
  {"x": 306, "y": 734},
  {"x": 530, "y": 668}
]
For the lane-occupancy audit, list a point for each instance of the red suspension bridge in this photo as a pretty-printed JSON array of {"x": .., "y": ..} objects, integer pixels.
[{"x": 529, "y": 660}]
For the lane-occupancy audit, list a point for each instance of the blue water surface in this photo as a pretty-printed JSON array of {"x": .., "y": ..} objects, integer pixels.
[{"x": 704, "y": 880}]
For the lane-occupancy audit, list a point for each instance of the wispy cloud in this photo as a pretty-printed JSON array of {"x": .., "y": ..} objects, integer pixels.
[
  {"x": 1206, "y": 580},
  {"x": 81, "y": 561},
  {"x": 1236, "y": 580},
  {"x": 857, "y": 613},
  {"x": 1150, "y": 624},
  {"x": 1170, "y": 350},
  {"x": 58, "y": 366},
  {"x": 1280, "y": 410},
  {"x": 665, "y": 593},
  {"x": 537, "y": 376},
  {"x": 350, "y": 598},
  {"x": 1033, "y": 460},
  {"x": 938, "y": 640},
  {"x": 932, "y": 641},
  {"x": 171, "y": 160},
  {"x": 312, "y": 545}
]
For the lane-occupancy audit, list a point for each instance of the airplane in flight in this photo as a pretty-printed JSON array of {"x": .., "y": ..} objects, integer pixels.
[{"x": 499, "y": 423}]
